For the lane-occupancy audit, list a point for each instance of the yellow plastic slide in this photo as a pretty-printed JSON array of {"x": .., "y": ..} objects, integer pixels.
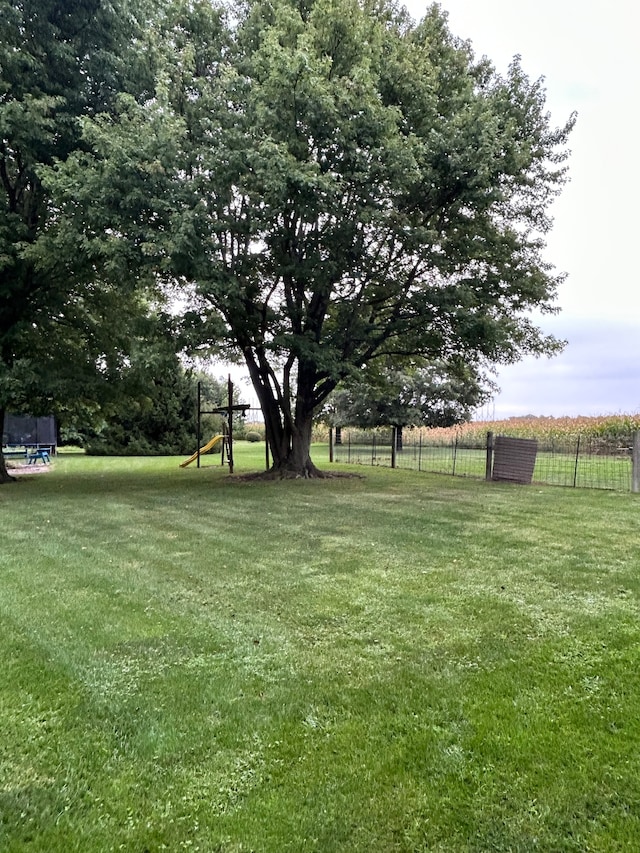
[{"x": 208, "y": 446}]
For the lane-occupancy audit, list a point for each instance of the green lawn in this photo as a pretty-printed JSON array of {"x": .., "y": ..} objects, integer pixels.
[{"x": 405, "y": 662}]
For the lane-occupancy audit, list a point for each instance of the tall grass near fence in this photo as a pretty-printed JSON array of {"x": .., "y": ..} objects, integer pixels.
[{"x": 579, "y": 452}]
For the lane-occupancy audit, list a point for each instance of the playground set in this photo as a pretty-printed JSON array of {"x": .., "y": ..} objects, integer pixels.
[{"x": 225, "y": 438}]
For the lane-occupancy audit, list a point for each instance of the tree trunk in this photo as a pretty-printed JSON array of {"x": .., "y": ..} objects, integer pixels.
[
  {"x": 292, "y": 453},
  {"x": 338, "y": 438},
  {"x": 5, "y": 477},
  {"x": 288, "y": 433},
  {"x": 399, "y": 438},
  {"x": 298, "y": 459}
]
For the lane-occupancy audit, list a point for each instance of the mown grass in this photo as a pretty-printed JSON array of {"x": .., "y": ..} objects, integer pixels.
[
  {"x": 558, "y": 468},
  {"x": 403, "y": 662}
]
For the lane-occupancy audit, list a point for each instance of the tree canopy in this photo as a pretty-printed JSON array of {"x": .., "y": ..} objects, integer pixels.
[
  {"x": 436, "y": 394},
  {"x": 326, "y": 183},
  {"x": 61, "y": 318}
]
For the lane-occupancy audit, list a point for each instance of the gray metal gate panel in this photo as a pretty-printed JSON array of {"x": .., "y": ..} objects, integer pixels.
[{"x": 514, "y": 459}]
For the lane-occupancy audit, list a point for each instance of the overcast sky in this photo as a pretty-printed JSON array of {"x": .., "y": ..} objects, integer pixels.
[{"x": 588, "y": 56}]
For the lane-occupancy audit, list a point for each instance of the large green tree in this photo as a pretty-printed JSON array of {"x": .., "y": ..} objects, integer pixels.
[
  {"x": 62, "y": 319},
  {"x": 337, "y": 185}
]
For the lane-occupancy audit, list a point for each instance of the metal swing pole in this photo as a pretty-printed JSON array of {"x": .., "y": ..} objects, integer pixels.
[
  {"x": 230, "y": 416},
  {"x": 198, "y": 424}
]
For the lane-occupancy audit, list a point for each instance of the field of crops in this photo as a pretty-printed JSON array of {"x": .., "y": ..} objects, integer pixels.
[{"x": 608, "y": 429}]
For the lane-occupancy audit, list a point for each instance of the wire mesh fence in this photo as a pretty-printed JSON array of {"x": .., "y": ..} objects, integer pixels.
[{"x": 579, "y": 462}]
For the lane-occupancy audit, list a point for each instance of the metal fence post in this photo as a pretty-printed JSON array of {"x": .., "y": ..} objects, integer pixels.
[
  {"x": 393, "y": 446},
  {"x": 199, "y": 424},
  {"x": 635, "y": 463},
  {"x": 489, "y": 463},
  {"x": 575, "y": 468}
]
